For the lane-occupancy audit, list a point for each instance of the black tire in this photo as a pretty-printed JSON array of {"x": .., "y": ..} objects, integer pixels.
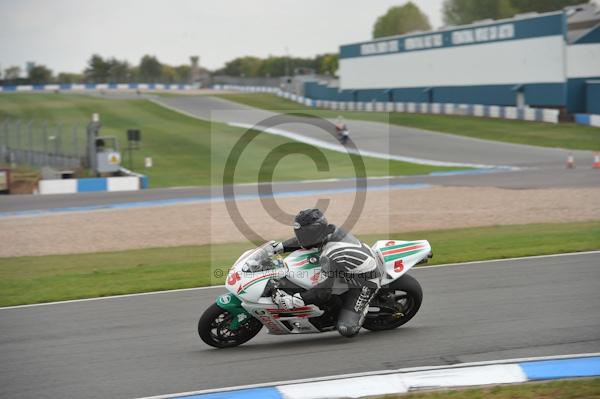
[
  {"x": 214, "y": 331},
  {"x": 409, "y": 301}
]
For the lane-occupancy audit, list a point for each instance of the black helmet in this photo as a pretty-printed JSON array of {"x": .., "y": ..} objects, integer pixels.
[{"x": 311, "y": 228}]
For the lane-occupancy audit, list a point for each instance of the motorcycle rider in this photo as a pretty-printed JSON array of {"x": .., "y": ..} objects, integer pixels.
[
  {"x": 341, "y": 256},
  {"x": 341, "y": 130}
]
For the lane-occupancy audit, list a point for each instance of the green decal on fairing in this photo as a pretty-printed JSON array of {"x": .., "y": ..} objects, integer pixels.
[
  {"x": 401, "y": 255},
  {"x": 233, "y": 306},
  {"x": 406, "y": 244},
  {"x": 242, "y": 288}
]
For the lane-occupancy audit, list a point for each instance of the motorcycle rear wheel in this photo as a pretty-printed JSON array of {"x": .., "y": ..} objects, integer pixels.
[
  {"x": 213, "y": 328},
  {"x": 407, "y": 295}
]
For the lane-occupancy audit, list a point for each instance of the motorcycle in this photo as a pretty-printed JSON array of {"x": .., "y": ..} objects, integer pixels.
[
  {"x": 342, "y": 133},
  {"x": 239, "y": 315}
]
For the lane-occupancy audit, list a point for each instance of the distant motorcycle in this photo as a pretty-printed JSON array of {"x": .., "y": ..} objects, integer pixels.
[
  {"x": 342, "y": 133},
  {"x": 239, "y": 315}
]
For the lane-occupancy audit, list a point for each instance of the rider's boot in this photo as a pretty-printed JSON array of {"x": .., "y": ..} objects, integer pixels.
[{"x": 356, "y": 306}]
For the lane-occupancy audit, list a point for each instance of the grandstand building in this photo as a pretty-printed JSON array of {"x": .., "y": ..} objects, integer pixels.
[{"x": 549, "y": 60}]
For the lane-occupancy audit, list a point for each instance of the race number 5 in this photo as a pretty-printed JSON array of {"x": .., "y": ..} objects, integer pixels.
[
  {"x": 398, "y": 265},
  {"x": 234, "y": 278}
]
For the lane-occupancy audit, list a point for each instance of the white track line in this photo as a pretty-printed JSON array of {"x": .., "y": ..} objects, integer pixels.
[
  {"x": 220, "y": 287},
  {"x": 371, "y": 373},
  {"x": 336, "y": 147},
  {"x": 111, "y": 297},
  {"x": 365, "y": 153}
]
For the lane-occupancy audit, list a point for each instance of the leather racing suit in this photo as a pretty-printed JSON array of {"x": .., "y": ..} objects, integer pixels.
[{"x": 345, "y": 258}]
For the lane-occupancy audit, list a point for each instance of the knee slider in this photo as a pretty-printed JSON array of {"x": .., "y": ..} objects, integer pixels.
[{"x": 348, "y": 331}]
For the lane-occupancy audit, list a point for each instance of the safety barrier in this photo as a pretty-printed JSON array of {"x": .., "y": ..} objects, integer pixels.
[
  {"x": 477, "y": 110},
  {"x": 93, "y": 87},
  {"x": 130, "y": 182},
  {"x": 588, "y": 119}
]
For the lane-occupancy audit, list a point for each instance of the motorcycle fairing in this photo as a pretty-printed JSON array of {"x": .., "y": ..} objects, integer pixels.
[
  {"x": 283, "y": 321},
  {"x": 398, "y": 257}
]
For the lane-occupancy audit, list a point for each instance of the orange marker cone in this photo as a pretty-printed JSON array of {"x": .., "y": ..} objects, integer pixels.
[
  {"x": 596, "y": 164},
  {"x": 570, "y": 162}
]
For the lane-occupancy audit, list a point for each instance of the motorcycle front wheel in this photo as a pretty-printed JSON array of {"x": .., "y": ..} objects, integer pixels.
[
  {"x": 213, "y": 328},
  {"x": 398, "y": 303}
]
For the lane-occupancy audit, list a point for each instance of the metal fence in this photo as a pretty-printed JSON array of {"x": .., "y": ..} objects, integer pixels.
[{"x": 39, "y": 143}]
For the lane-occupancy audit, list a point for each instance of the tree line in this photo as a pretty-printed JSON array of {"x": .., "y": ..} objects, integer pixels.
[
  {"x": 324, "y": 64},
  {"x": 409, "y": 18},
  {"x": 103, "y": 70},
  {"x": 151, "y": 70}
]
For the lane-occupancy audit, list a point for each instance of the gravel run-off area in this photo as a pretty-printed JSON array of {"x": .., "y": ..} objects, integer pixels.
[{"x": 203, "y": 223}]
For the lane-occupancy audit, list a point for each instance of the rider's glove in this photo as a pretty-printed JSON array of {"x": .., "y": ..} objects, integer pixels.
[
  {"x": 275, "y": 246},
  {"x": 287, "y": 301}
]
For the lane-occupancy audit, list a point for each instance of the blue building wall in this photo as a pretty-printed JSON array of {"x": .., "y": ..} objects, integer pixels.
[
  {"x": 540, "y": 95},
  {"x": 576, "y": 101},
  {"x": 547, "y": 25},
  {"x": 593, "y": 97}
]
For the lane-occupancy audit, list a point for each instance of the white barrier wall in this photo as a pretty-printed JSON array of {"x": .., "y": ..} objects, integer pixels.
[
  {"x": 67, "y": 186},
  {"x": 70, "y": 186},
  {"x": 492, "y": 111},
  {"x": 123, "y": 183}
]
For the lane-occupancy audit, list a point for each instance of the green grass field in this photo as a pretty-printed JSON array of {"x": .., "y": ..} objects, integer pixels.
[
  {"x": 52, "y": 278},
  {"x": 566, "y": 389},
  {"x": 186, "y": 151},
  {"x": 563, "y": 135}
]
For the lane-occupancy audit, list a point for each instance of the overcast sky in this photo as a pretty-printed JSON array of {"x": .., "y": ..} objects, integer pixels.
[{"x": 62, "y": 34}]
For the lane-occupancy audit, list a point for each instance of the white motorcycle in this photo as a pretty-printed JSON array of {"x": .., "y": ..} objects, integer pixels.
[{"x": 239, "y": 315}]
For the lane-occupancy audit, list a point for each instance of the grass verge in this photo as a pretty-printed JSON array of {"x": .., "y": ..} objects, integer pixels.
[
  {"x": 26, "y": 280},
  {"x": 563, "y": 135},
  {"x": 566, "y": 389},
  {"x": 188, "y": 151}
]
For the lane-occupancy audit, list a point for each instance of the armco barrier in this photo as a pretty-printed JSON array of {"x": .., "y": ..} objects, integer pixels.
[
  {"x": 403, "y": 381},
  {"x": 94, "y": 184},
  {"x": 477, "y": 110}
]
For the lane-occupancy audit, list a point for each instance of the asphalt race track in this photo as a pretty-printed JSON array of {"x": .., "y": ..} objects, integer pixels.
[
  {"x": 380, "y": 137},
  {"x": 540, "y": 167},
  {"x": 522, "y": 179},
  {"x": 147, "y": 345}
]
